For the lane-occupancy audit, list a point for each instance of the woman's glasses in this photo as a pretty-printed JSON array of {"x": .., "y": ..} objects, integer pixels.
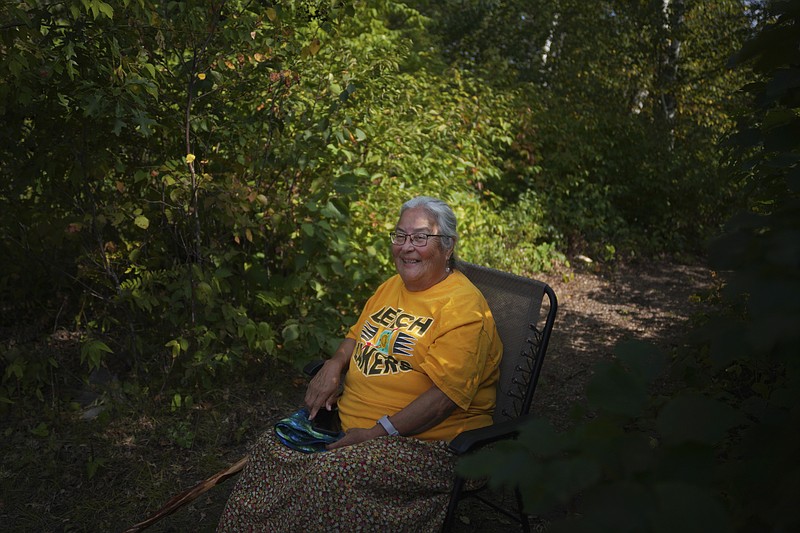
[{"x": 417, "y": 239}]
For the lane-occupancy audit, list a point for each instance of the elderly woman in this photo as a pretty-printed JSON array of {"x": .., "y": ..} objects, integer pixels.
[{"x": 420, "y": 367}]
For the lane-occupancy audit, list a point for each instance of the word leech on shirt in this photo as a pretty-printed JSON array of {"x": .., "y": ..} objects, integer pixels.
[{"x": 378, "y": 351}]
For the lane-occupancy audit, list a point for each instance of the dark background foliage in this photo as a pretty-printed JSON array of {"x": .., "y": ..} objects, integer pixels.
[{"x": 194, "y": 191}]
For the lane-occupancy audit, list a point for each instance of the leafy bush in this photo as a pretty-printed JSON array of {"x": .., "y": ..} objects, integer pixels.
[
  {"x": 201, "y": 235},
  {"x": 196, "y": 188},
  {"x": 210, "y": 185}
]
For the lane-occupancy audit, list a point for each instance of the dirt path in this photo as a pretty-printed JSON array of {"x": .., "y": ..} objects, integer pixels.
[{"x": 646, "y": 301}]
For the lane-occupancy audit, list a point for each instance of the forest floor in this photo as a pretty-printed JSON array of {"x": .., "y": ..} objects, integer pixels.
[{"x": 84, "y": 469}]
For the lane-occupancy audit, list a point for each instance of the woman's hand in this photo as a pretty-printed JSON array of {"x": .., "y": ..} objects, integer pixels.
[
  {"x": 427, "y": 410},
  {"x": 323, "y": 389},
  {"x": 356, "y": 435}
]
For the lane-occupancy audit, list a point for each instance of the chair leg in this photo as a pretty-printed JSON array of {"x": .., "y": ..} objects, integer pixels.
[
  {"x": 523, "y": 516},
  {"x": 455, "y": 496}
]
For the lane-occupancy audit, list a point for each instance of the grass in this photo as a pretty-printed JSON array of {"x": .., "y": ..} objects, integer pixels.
[{"x": 62, "y": 472}]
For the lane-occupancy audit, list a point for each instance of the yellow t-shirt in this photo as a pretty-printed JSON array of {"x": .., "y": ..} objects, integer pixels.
[{"x": 408, "y": 341}]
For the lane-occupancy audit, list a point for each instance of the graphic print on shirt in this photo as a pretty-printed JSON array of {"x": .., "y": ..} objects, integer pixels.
[{"x": 385, "y": 344}]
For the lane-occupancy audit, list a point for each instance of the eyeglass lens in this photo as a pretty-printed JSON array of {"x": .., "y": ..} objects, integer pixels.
[{"x": 417, "y": 239}]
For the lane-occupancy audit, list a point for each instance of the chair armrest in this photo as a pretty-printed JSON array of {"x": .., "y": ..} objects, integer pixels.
[
  {"x": 313, "y": 367},
  {"x": 476, "y": 438},
  {"x": 468, "y": 440}
]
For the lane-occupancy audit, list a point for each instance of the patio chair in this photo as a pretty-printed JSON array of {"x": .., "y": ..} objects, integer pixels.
[{"x": 516, "y": 305}]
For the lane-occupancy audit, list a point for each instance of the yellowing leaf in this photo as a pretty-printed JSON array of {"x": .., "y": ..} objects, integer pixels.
[
  {"x": 314, "y": 47},
  {"x": 190, "y": 159},
  {"x": 142, "y": 221},
  {"x": 258, "y": 56},
  {"x": 272, "y": 15},
  {"x": 201, "y": 76}
]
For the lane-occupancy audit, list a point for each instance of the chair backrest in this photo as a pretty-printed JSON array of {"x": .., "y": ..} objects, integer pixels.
[{"x": 516, "y": 305}]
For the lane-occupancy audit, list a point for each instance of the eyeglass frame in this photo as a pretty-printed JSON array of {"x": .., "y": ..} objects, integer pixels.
[{"x": 406, "y": 236}]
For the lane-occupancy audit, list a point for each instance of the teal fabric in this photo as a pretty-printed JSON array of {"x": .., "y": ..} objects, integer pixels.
[{"x": 298, "y": 433}]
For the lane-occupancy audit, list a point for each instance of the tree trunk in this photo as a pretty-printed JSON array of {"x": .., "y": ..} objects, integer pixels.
[{"x": 673, "y": 11}]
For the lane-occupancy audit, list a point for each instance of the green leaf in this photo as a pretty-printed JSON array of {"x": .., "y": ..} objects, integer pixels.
[
  {"x": 41, "y": 430},
  {"x": 250, "y": 331},
  {"x": 92, "y": 351},
  {"x": 568, "y": 477},
  {"x": 616, "y": 390},
  {"x": 119, "y": 124},
  {"x": 541, "y": 438},
  {"x": 616, "y": 506},
  {"x": 106, "y": 9},
  {"x": 691, "y": 417},
  {"x": 98, "y": 7},
  {"x": 93, "y": 465},
  {"x": 642, "y": 358},
  {"x": 689, "y": 509},
  {"x": 16, "y": 368},
  {"x": 177, "y": 346},
  {"x": 142, "y": 222},
  {"x": 291, "y": 333}
]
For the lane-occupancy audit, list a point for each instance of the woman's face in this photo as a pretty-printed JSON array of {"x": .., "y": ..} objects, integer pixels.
[{"x": 420, "y": 267}]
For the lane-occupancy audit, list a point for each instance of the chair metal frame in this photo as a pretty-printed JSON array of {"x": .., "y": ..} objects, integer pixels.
[{"x": 526, "y": 336}]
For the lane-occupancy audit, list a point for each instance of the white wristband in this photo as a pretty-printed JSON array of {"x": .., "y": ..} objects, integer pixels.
[{"x": 387, "y": 425}]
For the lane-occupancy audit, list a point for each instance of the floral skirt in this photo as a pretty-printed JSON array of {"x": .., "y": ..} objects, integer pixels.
[{"x": 384, "y": 484}]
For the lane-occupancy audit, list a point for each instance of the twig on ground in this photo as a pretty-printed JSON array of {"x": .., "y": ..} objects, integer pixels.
[{"x": 179, "y": 500}]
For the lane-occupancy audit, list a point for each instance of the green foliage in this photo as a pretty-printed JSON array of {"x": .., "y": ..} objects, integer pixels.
[
  {"x": 718, "y": 451},
  {"x": 591, "y": 138},
  {"x": 24, "y": 374},
  {"x": 643, "y": 462},
  {"x": 92, "y": 353},
  {"x": 181, "y": 435},
  {"x": 198, "y": 188},
  {"x": 202, "y": 233},
  {"x": 93, "y": 465}
]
